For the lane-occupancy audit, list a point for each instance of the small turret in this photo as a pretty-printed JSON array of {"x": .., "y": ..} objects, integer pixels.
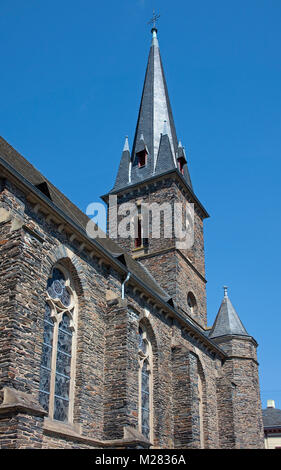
[
  {"x": 123, "y": 175},
  {"x": 227, "y": 321},
  {"x": 238, "y": 396},
  {"x": 165, "y": 159}
]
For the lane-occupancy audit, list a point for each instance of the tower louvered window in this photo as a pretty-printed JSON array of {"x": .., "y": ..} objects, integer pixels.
[
  {"x": 57, "y": 361},
  {"x": 138, "y": 239},
  {"x": 145, "y": 385}
]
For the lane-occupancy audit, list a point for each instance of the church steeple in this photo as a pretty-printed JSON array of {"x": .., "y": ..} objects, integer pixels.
[
  {"x": 153, "y": 177},
  {"x": 155, "y": 147}
]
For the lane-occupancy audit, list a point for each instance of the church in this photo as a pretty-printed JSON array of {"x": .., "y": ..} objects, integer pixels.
[{"x": 104, "y": 340}]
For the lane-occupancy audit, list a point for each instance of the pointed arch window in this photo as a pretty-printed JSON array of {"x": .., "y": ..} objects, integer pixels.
[
  {"x": 138, "y": 229},
  {"x": 58, "y": 352},
  {"x": 138, "y": 239},
  {"x": 200, "y": 385},
  {"x": 191, "y": 302},
  {"x": 145, "y": 385}
]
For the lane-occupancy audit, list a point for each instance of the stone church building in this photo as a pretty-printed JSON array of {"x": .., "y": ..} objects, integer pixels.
[{"x": 104, "y": 343}]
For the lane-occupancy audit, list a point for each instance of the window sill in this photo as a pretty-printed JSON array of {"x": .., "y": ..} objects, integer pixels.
[
  {"x": 138, "y": 248},
  {"x": 138, "y": 251},
  {"x": 58, "y": 427}
]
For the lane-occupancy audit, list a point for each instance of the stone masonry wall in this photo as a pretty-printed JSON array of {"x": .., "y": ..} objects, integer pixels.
[
  {"x": 106, "y": 376},
  {"x": 239, "y": 396},
  {"x": 177, "y": 270}
]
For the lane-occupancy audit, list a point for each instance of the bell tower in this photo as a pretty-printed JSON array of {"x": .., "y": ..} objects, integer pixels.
[{"x": 155, "y": 173}]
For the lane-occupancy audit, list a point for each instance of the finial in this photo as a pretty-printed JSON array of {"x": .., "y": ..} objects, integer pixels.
[
  {"x": 155, "y": 17},
  {"x": 225, "y": 291},
  {"x": 126, "y": 145},
  {"x": 165, "y": 132},
  {"x": 180, "y": 144}
]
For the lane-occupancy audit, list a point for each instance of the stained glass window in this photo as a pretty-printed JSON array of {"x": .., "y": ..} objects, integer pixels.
[
  {"x": 62, "y": 380},
  {"x": 201, "y": 409},
  {"x": 57, "y": 289},
  {"x": 145, "y": 384},
  {"x": 46, "y": 360},
  {"x": 56, "y": 360},
  {"x": 145, "y": 400}
]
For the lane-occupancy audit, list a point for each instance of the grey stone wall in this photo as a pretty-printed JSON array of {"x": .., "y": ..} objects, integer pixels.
[
  {"x": 178, "y": 271},
  {"x": 238, "y": 396},
  {"x": 106, "y": 376}
]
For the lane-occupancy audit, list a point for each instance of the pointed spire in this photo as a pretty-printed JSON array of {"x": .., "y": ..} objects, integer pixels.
[
  {"x": 227, "y": 321},
  {"x": 141, "y": 145},
  {"x": 126, "y": 145},
  {"x": 182, "y": 164},
  {"x": 180, "y": 152},
  {"x": 155, "y": 121},
  {"x": 154, "y": 109},
  {"x": 165, "y": 158},
  {"x": 123, "y": 175},
  {"x": 154, "y": 41}
]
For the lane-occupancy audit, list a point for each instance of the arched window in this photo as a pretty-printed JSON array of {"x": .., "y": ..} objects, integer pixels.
[
  {"x": 145, "y": 385},
  {"x": 191, "y": 302},
  {"x": 57, "y": 361},
  {"x": 201, "y": 387}
]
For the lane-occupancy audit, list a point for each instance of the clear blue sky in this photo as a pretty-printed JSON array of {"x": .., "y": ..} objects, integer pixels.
[{"x": 70, "y": 85}]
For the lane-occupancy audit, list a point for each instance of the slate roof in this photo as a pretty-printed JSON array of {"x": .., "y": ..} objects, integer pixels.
[
  {"x": 271, "y": 418},
  {"x": 227, "y": 321},
  {"x": 123, "y": 170},
  {"x": 155, "y": 120},
  {"x": 30, "y": 176},
  {"x": 165, "y": 159},
  {"x": 33, "y": 176}
]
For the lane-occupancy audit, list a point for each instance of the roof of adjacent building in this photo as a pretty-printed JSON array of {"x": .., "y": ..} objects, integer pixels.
[
  {"x": 227, "y": 321},
  {"x": 155, "y": 131},
  {"x": 271, "y": 417}
]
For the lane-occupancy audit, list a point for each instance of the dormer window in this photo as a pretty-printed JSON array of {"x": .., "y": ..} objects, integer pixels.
[
  {"x": 181, "y": 162},
  {"x": 44, "y": 188},
  {"x": 141, "y": 158}
]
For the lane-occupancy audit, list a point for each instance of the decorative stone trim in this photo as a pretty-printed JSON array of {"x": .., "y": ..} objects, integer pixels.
[
  {"x": 15, "y": 401},
  {"x": 5, "y": 215},
  {"x": 132, "y": 438},
  {"x": 34, "y": 233},
  {"x": 243, "y": 358},
  {"x": 58, "y": 427}
]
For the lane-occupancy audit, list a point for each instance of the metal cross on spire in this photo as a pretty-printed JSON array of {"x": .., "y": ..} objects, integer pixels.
[{"x": 154, "y": 19}]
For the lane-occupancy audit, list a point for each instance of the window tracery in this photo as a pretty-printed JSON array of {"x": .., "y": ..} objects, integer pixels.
[
  {"x": 57, "y": 361},
  {"x": 145, "y": 385}
]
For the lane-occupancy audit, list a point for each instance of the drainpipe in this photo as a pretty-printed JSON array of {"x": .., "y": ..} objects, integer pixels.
[{"x": 123, "y": 285}]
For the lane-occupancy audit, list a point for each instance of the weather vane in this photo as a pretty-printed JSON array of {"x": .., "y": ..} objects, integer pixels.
[{"x": 153, "y": 20}]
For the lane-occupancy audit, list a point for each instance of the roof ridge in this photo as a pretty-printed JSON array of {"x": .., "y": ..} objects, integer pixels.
[{"x": 73, "y": 212}]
